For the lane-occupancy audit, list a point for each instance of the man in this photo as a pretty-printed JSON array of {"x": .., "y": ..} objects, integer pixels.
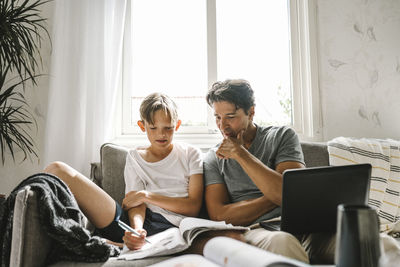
[{"x": 243, "y": 174}]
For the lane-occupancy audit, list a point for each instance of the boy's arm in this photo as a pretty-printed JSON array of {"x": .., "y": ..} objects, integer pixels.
[
  {"x": 188, "y": 206},
  {"x": 136, "y": 216},
  {"x": 136, "y": 219},
  {"x": 243, "y": 212}
]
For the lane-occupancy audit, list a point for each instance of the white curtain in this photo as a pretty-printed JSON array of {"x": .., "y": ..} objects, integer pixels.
[{"x": 84, "y": 77}]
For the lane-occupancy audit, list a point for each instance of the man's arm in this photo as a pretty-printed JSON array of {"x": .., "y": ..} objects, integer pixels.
[
  {"x": 240, "y": 213},
  {"x": 269, "y": 181},
  {"x": 247, "y": 211}
]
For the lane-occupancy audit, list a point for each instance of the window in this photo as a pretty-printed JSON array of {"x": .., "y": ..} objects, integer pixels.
[{"x": 181, "y": 47}]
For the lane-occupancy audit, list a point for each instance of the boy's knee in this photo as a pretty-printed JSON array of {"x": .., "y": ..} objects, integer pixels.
[{"x": 56, "y": 168}]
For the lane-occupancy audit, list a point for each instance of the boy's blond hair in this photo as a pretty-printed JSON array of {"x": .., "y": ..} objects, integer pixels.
[{"x": 155, "y": 102}]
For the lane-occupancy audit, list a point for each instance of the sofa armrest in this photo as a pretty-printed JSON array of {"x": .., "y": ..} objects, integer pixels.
[
  {"x": 112, "y": 162},
  {"x": 30, "y": 244},
  {"x": 95, "y": 174}
]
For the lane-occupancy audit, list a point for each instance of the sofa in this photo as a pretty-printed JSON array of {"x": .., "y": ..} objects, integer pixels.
[{"x": 30, "y": 244}]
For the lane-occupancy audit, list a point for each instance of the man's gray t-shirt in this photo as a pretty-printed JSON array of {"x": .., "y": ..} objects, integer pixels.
[{"x": 271, "y": 145}]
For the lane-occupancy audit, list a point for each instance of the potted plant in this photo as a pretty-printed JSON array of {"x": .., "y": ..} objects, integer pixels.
[{"x": 21, "y": 29}]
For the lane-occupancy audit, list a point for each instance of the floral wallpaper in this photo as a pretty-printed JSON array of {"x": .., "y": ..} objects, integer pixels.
[{"x": 359, "y": 67}]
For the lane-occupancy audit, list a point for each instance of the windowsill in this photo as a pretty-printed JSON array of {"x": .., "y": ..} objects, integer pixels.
[{"x": 202, "y": 141}]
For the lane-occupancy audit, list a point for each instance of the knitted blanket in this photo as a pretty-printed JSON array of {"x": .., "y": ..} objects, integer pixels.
[
  {"x": 384, "y": 156},
  {"x": 61, "y": 219}
]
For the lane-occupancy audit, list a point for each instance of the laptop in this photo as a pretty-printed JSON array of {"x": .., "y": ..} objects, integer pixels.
[{"x": 310, "y": 197}]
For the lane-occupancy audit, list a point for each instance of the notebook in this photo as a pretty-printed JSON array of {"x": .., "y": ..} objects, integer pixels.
[{"x": 310, "y": 197}]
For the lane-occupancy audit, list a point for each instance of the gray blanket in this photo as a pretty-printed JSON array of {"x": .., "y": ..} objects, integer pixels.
[{"x": 62, "y": 221}]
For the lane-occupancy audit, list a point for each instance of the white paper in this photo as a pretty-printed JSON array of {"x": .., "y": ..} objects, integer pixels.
[
  {"x": 189, "y": 260},
  {"x": 174, "y": 240},
  {"x": 164, "y": 243},
  {"x": 229, "y": 252}
]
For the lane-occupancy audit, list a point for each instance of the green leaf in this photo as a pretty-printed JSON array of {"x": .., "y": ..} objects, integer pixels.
[
  {"x": 20, "y": 39},
  {"x": 21, "y": 26}
]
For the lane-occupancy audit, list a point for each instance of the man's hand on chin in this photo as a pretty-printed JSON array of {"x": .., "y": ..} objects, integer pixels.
[{"x": 230, "y": 146}]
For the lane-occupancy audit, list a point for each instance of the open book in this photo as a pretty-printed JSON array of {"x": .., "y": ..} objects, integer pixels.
[
  {"x": 228, "y": 252},
  {"x": 175, "y": 239}
]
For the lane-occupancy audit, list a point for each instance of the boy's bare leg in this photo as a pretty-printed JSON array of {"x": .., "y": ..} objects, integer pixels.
[
  {"x": 200, "y": 241},
  {"x": 96, "y": 204}
]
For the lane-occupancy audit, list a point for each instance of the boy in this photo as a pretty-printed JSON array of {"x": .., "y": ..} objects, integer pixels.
[{"x": 164, "y": 181}]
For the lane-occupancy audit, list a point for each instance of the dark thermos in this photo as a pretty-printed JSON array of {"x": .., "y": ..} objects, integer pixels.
[{"x": 357, "y": 236}]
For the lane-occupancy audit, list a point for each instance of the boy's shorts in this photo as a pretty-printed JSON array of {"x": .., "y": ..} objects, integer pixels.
[{"x": 153, "y": 224}]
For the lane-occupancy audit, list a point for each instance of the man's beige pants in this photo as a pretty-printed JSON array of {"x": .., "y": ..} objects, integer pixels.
[{"x": 310, "y": 248}]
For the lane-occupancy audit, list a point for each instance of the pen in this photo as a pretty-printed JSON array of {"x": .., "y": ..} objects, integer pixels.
[{"x": 130, "y": 229}]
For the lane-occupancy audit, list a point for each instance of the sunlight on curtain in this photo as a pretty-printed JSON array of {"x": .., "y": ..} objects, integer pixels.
[{"x": 86, "y": 60}]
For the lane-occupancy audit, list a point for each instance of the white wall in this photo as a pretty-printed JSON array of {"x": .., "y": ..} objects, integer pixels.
[
  {"x": 359, "y": 63},
  {"x": 13, "y": 173}
]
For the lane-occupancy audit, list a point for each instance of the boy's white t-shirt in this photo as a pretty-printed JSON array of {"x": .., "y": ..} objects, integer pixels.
[{"x": 168, "y": 177}]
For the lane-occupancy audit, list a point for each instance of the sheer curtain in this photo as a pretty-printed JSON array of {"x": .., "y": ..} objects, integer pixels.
[{"x": 84, "y": 77}]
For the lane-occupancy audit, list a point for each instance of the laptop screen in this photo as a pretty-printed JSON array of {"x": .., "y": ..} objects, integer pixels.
[{"x": 310, "y": 196}]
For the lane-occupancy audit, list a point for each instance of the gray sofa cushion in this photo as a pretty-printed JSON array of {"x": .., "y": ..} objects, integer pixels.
[{"x": 315, "y": 154}]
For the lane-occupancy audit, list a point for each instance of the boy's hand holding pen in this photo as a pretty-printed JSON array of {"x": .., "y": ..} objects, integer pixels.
[{"x": 137, "y": 240}]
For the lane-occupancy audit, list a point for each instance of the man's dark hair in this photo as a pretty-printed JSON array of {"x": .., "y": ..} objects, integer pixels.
[{"x": 237, "y": 92}]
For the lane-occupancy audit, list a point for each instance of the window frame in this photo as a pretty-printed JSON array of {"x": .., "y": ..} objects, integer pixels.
[{"x": 306, "y": 109}]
